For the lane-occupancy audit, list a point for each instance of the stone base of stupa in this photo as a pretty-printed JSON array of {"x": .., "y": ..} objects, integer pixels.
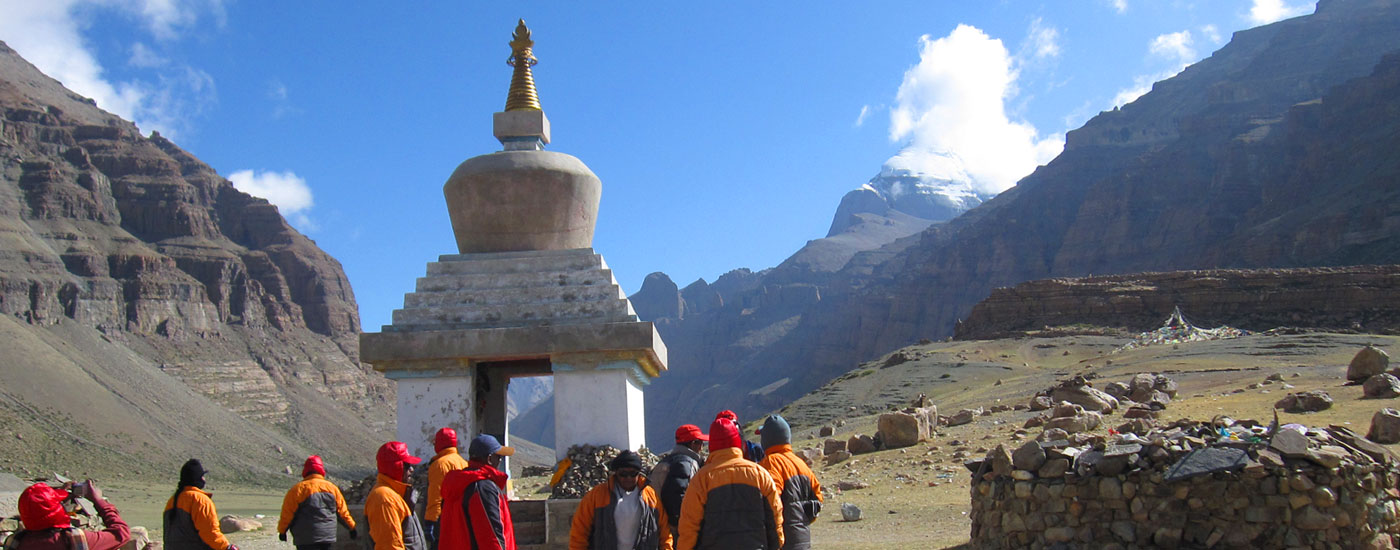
[{"x": 478, "y": 320}]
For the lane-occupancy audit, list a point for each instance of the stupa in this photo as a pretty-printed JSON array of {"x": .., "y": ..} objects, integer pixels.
[{"x": 525, "y": 295}]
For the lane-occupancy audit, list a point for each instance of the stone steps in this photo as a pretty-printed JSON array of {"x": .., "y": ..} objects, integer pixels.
[
  {"x": 518, "y": 262},
  {"x": 514, "y": 295},
  {"x": 485, "y": 281},
  {"x": 509, "y": 315}
]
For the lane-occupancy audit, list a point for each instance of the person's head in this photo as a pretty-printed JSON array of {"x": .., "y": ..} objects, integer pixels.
[
  {"x": 485, "y": 448},
  {"x": 192, "y": 474},
  {"x": 313, "y": 465},
  {"x": 393, "y": 460},
  {"x": 724, "y": 435},
  {"x": 446, "y": 438},
  {"x": 775, "y": 431},
  {"x": 690, "y": 436},
  {"x": 728, "y": 414},
  {"x": 625, "y": 468},
  {"x": 41, "y": 507}
]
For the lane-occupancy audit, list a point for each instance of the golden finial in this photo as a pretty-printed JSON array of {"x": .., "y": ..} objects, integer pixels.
[{"x": 522, "y": 84}]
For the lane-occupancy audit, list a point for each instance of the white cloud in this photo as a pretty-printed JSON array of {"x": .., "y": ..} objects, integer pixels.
[
  {"x": 864, "y": 112},
  {"x": 1120, "y": 6},
  {"x": 1042, "y": 42},
  {"x": 1176, "y": 46},
  {"x": 1263, "y": 12},
  {"x": 144, "y": 57},
  {"x": 280, "y": 97},
  {"x": 1211, "y": 33},
  {"x": 954, "y": 101},
  {"x": 286, "y": 190},
  {"x": 49, "y": 34}
]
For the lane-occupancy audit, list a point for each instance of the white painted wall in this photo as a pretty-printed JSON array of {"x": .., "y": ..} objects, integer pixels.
[
  {"x": 427, "y": 404},
  {"x": 596, "y": 406}
]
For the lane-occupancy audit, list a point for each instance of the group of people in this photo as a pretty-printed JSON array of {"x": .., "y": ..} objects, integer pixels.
[{"x": 743, "y": 496}]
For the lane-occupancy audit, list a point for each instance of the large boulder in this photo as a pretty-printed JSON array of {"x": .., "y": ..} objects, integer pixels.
[
  {"x": 1385, "y": 427},
  {"x": 1367, "y": 363},
  {"x": 860, "y": 444},
  {"x": 1079, "y": 392},
  {"x": 1381, "y": 386},
  {"x": 964, "y": 416},
  {"x": 234, "y": 524},
  {"x": 1086, "y": 422},
  {"x": 833, "y": 445},
  {"x": 1041, "y": 402},
  {"x": 1308, "y": 401},
  {"x": 899, "y": 429}
]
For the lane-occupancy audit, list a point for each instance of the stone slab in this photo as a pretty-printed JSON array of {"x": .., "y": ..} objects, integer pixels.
[
  {"x": 397, "y": 351},
  {"x": 1207, "y": 460}
]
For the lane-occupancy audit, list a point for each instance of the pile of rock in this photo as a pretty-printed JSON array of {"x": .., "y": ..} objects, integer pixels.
[
  {"x": 589, "y": 467},
  {"x": 1305, "y": 401},
  {"x": 1155, "y": 391},
  {"x": 1193, "y": 484}
]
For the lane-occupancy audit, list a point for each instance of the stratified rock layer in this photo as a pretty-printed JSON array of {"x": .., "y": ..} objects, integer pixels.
[
  {"x": 1355, "y": 297},
  {"x": 176, "y": 274}
]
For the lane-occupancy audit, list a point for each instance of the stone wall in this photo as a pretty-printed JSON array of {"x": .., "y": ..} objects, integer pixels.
[{"x": 1339, "y": 495}]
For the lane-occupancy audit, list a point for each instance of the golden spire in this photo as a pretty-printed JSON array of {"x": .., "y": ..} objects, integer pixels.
[{"x": 522, "y": 84}]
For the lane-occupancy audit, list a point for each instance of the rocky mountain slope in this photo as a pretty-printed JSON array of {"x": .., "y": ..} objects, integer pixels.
[
  {"x": 1360, "y": 298},
  {"x": 152, "y": 312},
  {"x": 1277, "y": 151}
]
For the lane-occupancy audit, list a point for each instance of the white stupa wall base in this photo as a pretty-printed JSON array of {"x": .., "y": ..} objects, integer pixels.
[
  {"x": 597, "y": 403},
  {"x": 432, "y": 399}
]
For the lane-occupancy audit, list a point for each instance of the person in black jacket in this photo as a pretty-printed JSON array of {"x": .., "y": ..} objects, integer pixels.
[{"x": 671, "y": 476}]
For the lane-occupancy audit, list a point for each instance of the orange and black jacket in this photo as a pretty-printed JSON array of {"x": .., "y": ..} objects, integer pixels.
[
  {"x": 311, "y": 509},
  {"x": 446, "y": 460},
  {"x": 191, "y": 523},
  {"x": 732, "y": 504},
  {"x": 594, "y": 527},
  {"x": 392, "y": 525},
  {"x": 800, "y": 491}
]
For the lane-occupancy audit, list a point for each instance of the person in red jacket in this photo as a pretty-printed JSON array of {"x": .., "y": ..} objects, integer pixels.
[
  {"x": 475, "y": 515},
  {"x": 48, "y": 527},
  {"x": 311, "y": 508}
]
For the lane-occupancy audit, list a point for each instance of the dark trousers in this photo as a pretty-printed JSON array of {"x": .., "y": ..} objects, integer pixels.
[{"x": 317, "y": 546}]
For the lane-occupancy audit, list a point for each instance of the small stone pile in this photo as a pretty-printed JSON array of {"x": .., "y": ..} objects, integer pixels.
[
  {"x": 589, "y": 467},
  {"x": 1218, "y": 484}
]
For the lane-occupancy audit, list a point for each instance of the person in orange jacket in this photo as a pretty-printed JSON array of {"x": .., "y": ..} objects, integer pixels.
[
  {"x": 732, "y": 503},
  {"x": 190, "y": 521},
  {"x": 446, "y": 460},
  {"x": 797, "y": 485},
  {"x": 389, "y": 507},
  {"x": 622, "y": 512},
  {"x": 311, "y": 508}
]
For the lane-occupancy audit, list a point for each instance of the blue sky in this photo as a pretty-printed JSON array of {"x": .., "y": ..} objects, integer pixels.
[{"x": 725, "y": 135}]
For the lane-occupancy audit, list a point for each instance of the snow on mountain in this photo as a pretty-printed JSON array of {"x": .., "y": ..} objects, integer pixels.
[{"x": 933, "y": 186}]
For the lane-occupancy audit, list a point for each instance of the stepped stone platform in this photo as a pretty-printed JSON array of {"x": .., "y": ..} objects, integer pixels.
[
  {"x": 475, "y": 321},
  {"x": 507, "y": 305}
]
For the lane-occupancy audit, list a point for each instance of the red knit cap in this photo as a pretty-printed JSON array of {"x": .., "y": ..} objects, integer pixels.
[
  {"x": 40, "y": 507},
  {"x": 446, "y": 437},
  {"x": 724, "y": 435},
  {"x": 313, "y": 465},
  {"x": 728, "y": 414}
]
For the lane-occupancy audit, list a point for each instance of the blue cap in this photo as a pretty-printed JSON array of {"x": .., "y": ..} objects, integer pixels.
[{"x": 485, "y": 445}]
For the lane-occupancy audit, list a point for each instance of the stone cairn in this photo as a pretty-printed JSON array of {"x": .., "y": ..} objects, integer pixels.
[
  {"x": 1218, "y": 484},
  {"x": 588, "y": 466}
]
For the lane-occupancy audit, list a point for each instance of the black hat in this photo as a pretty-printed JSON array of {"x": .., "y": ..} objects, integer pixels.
[
  {"x": 192, "y": 473},
  {"x": 626, "y": 459}
]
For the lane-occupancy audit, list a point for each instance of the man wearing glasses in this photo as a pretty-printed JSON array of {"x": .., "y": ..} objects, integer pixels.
[{"x": 622, "y": 513}]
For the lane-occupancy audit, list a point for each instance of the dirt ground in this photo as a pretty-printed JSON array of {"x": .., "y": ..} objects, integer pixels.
[{"x": 918, "y": 496}]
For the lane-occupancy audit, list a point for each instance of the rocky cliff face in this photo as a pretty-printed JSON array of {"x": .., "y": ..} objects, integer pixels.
[
  {"x": 136, "y": 240},
  {"x": 1277, "y": 151},
  {"x": 1365, "y": 298}
]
